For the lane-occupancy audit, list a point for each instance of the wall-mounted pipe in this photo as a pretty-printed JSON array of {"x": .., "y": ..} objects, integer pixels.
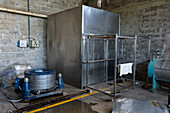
[
  {"x": 28, "y": 6},
  {"x": 23, "y": 12}
]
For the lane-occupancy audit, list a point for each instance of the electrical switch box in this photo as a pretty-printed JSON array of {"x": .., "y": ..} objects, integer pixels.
[
  {"x": 34, "y": 43},
  {"x": 22, "y": 43}
]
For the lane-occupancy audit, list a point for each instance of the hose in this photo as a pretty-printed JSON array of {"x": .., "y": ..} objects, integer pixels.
[{"x": 15, "y": 100}]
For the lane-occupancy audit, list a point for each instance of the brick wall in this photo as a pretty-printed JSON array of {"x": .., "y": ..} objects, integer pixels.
[
  {"x": 167, "y": 14},
  {"x": 143, "y": 18},
  {"x": 147, "y": 19},
  {"x": 14, "y": 27},
  {"x": 40, "y": 6}
]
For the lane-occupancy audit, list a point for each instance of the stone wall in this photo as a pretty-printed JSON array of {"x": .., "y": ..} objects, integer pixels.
[
  {"x": 146, "y": 19},
  {"x": 40, "y": 6},
  {"x": 143, "y": 18},
  {"x": 168, "y": 32},
  {"x": 14, "y": 27}
]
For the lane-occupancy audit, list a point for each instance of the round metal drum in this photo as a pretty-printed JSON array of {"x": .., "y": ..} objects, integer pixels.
[
  {"x": 162, "y": 70},
  {"x": 41, "y": 79}
]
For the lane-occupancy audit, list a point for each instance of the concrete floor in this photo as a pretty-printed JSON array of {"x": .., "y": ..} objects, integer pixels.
[{"x": 97, "y": 103}]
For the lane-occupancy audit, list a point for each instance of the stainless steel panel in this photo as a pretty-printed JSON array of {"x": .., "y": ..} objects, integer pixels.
[
  {"x": 111, "y": 48},
  {"x": 111, "y": 53},
  {"x": 96, "y": 73},
  {"x": 64, "y": 45},
  {"x": 96, "y": 21},
  {"x": 84, "y": 49},
  {"x": 110, "y": 70},
  {"x": 67, "y": 43},
  {"x": 84, "y": 71},
  {"x": 96, "y": 49}
]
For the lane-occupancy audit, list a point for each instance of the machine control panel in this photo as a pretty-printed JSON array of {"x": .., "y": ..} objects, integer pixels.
[
  {"x": 22, "y": 43},
  {"x": 34, "y": 43}
]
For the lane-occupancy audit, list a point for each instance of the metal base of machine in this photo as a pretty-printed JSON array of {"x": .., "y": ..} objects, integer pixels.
[
  {"x": 37, "y": 92},
  {"x": 168, "y": 97},
  {"x": 42, "y": 95},
  {"x": 47, "y": 102},
  {"x": 40, "y": 83}
]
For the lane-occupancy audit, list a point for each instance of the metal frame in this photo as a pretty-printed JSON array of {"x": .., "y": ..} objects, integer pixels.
[
  {"x": 116, "y": 64},
  {"x": 117, "y": 37}
]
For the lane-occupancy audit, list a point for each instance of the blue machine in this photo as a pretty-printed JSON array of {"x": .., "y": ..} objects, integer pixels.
[
  {"x": 26, "y": 89},
  {"x": 39, "y": 83},
  {"x": 159, "y": 70},
  {"x": 60, "y": 82},
  {"x": 17, "y": 84},
  {"x": 151, "y": 74}
]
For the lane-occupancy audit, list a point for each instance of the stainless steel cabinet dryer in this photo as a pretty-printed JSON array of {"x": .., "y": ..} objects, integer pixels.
[{"x": 75, "y": 49}]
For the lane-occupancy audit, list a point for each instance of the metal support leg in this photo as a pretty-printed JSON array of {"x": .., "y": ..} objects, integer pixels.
[
  {"x": 134, "y": 66},
  {"x": 149, "y": 48},
  {"x": 168, "y": 96},
  {"x": 115, "y": 68},
  {"x": 149, "y": 55},
  {"x": 87, "y": 65},
  {"x": 106, "y": 48},
  {"x": 119, "y": 24},
  {"x": 122, "y": 51}
]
